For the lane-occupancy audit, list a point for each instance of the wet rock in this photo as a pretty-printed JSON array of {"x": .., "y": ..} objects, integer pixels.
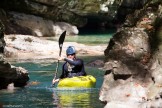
[
  {"x": 21, "y": 78},
  {"x": 96, "y": 63},
  {"x": 16, "y": 75},
  {"x": 8, "y": 73}
]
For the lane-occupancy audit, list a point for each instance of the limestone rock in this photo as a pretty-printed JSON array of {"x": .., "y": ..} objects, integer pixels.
[
  {"x": 42, "y": 27},
  {"x": 75, "y": 12},
  {"x": 133, "y": 59}
]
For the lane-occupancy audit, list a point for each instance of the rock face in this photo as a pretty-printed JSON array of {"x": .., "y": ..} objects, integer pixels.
[
  {"x": 10, "y": 74},
  {"x": 20, "y": 23},
  {"x": 38, "y": 17},
  {"x": 38, "y": 26},
  {"x": 133, "y": 70}
]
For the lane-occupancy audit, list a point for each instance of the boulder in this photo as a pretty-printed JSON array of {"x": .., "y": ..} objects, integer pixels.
[
  {"x": 10, "y": 74},
  {"x": 133, "y": 61}
]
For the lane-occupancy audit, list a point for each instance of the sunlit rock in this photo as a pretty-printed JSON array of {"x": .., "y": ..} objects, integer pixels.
[{"x": 42, "y": 27}]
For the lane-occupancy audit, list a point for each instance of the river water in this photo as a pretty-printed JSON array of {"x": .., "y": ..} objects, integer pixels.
[{"x": 39, "y": 93}]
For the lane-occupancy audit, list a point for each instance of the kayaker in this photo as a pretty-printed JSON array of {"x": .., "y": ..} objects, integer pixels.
[{"x": 72, "y": 66}]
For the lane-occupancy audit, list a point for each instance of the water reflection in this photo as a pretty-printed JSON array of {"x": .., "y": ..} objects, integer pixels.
[{"x": 73, "y": 98}]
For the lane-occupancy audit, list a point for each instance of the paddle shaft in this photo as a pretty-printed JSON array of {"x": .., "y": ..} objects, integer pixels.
[
  {"x": 56, "y": 69},
  {"x": 57, "y": 66},
  {"x": 61, "y": 41}
]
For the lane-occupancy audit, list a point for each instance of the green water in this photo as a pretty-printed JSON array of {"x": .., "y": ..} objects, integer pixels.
[
  {"x": 89, "y": 38},
  {"x": 42, "y": 95}
]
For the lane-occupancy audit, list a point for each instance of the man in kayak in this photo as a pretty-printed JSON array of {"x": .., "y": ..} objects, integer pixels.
[{"x": 72, "y": 66}]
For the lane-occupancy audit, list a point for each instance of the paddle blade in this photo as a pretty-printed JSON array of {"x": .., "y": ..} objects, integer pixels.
[{"x": 61, "y": 39}]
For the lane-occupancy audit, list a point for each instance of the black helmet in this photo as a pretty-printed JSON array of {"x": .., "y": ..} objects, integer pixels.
[{"x": 70, "y": 50}]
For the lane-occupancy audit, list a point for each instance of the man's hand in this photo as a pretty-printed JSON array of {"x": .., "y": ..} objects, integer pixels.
[
  {"x": 55, "y": 81},
  {"x": 61, "y": 58}
]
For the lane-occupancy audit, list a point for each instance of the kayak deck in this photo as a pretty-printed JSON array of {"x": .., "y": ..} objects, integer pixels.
[{"x": 80, "y": 82}]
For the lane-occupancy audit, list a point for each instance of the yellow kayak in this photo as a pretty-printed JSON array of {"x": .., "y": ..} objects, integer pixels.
[{"x": 80, "y": 82}]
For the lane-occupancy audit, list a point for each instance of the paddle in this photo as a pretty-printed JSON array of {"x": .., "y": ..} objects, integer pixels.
[{"x": 61, "y": 41}]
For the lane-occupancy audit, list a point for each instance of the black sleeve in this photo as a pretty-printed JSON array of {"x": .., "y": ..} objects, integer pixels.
[
  {"x": 75, "y": 62},
  {"x": 63, "y": 74}
]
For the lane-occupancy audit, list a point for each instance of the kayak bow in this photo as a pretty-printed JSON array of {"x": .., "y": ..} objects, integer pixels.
[{"x": 78, "y": 82}]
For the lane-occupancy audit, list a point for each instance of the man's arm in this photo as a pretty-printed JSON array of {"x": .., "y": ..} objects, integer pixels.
[{"x": 75, "y": 62}]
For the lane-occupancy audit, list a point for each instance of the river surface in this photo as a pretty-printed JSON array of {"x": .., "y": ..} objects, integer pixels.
[{"x": 40, "y": 94}]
